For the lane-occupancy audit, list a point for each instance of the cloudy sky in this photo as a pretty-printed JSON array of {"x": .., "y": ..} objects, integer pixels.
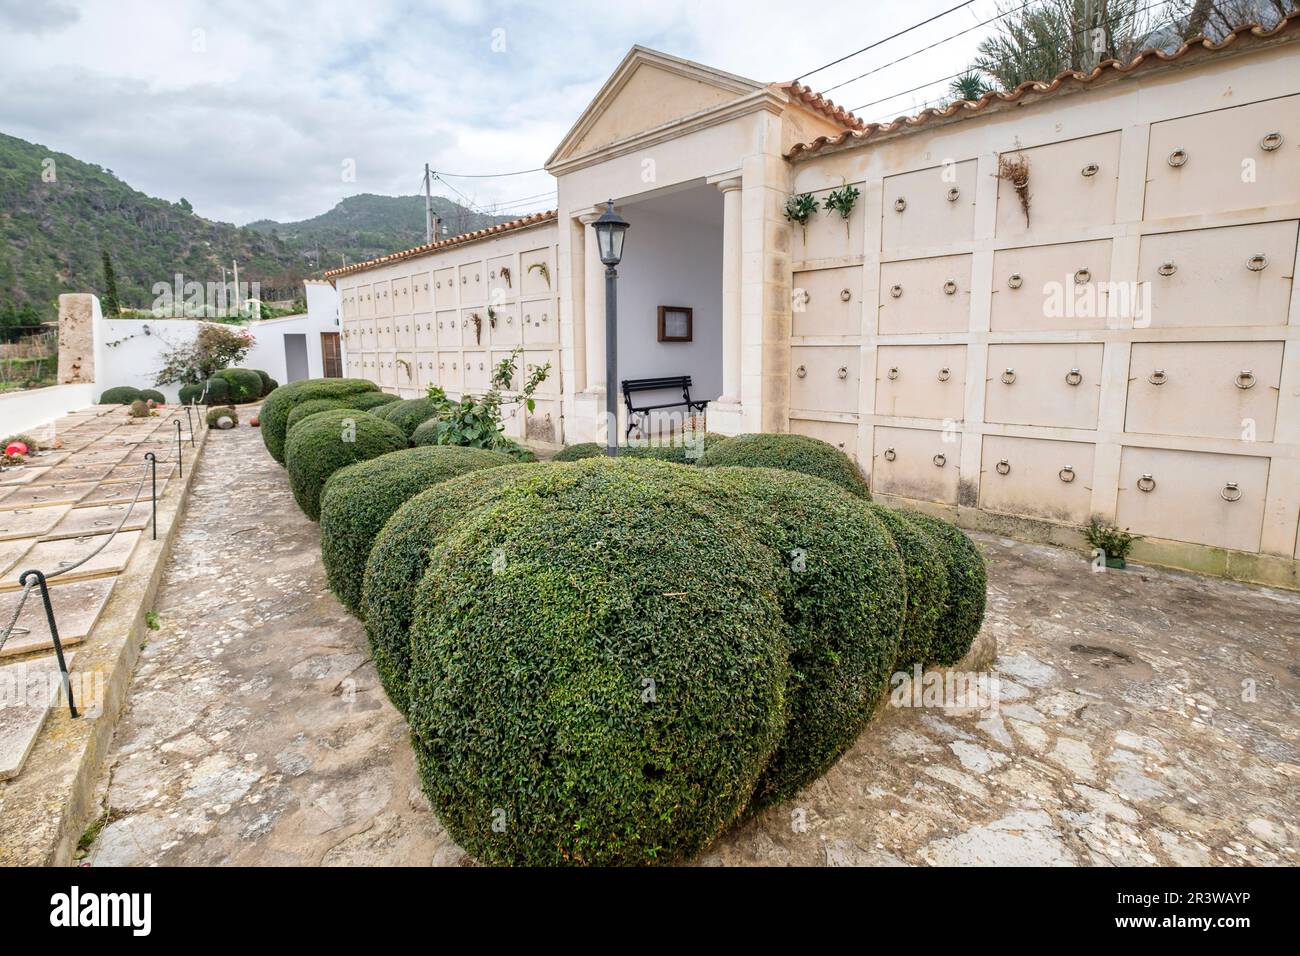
[{"x": 251, "y": 108}]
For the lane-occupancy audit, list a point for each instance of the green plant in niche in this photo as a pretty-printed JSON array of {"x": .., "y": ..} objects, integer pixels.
[
  {"x": 800, "y": 209},
  {"x": 1106, "y": 538},
  {"x": 544, "y": 270},
  {"x": 475, "y": 421},
  {"x": 842, "y": 201},
  {"x": 492, "y": 317}
]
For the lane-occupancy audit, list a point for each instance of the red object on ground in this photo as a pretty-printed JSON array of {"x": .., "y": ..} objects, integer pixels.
[
  {"x": 16, "y": 448},
  {"x": 254, "y": 422}
]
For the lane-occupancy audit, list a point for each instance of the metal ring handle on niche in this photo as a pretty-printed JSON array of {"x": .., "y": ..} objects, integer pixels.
[
  {"x": 896, "y": 291},
  {"x": 950, "y": 288},
  {"x": 954, "y": 194},
  {"x": 1230, "y": 492},
  {"x": 1146, "y": 483},
  {"x": 1083, "y": 276},
  {"x": 900, "y": 204},
  {"x": 1177, "y": 158},
  {"x": 890, "y": 454},
  {"x": 1003, "y": 467},
  {"x": 944, "y": 374},
  {"x": 845, "y": 295},
  {"x": 1270, "y": 142},
  {"x": 1167, "y": 268},
  {"x": 801, "y": 372},
  {"x": 893, "y": 373},
  {"x": 1245, "y": 379},
  {"x": 1009, "y": 376},
  {"x": 1066, "y": 474},
  {"x": 1158, "y": 377},
  {"x": 1257, "y": 263},
  {"x": 940, "y": 460},
  {"x": 1089, "y": 170},
  {"x": 842, "y": 372},
  {"x": 1015, "y": 280},
  {"x": 1073, "y": 377}
]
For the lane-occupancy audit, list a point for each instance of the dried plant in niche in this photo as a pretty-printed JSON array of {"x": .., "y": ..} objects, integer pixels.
[
  {"x": 1015, "y": 170},
  {"x": 544, "y": 270},
  {"x": 478, "y": 328},
  {"x": 505, "y": 275},
  {"x": 405, "y": 366},
  {"x": 492, "y": 317}
]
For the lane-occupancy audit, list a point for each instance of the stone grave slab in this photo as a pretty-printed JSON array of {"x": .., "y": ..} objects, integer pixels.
[
  {"x": 131, "y": 470},
  {"x": 71, "y": 471},
  {"x": 11, "y": 551},
  {"x": 21, "y": 475},
  {"x": 51, "y": 556},
  {"x": 77, "y": 606},
  {"x": 46, "y": 496},
  {"x": 101, "y": 455},
  {"x": 30, "y": 522},
  {"x": 102, "y": 519},
  {"x": 29, "y": 690},
  {"x": 6, "y": 492},
  {"x": 114, "y": 493}
]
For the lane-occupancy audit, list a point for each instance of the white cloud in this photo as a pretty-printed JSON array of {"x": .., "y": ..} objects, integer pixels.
[{"x": 248, "y": 108}]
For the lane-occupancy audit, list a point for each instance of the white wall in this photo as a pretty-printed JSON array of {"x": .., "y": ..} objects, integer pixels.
[
  {"x": 24, "y": 411},
  {"x": 129, "y": 351},
  {"x": 322, "y": 316},
  {"x": 672, "y": 256}
]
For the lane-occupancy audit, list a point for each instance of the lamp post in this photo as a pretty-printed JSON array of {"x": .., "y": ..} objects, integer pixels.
[{"x": 610, "y": 228}]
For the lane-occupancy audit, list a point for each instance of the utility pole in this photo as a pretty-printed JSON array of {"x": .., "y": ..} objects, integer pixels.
[
  {"x": 239, "y": 305},
  {"x": 1093, "y": 37},
  {"x": 429, "y": 231}
]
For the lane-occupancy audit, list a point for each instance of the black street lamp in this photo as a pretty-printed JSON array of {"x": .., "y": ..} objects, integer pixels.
[{"x": 610, "y": 228}]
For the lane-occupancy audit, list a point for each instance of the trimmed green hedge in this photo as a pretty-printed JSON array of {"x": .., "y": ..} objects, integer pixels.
[
  {"x": 409, "y": 414},
  {"x": 400, "y": 556},
  {"x": 311, "y": 407},
  {"x": 278, "y": 405},
  {"x": 967, "y": 584},
  {"x": 678, "y": 453},
  {"x": 216, "y": 412},
  {"x": 191, "y": 394},
  {"x": 217, "y": 391},
  {"x": 268, "y": 384},
  {"x": 809, "y": 456},
  {"x": 843, "y": 604},
  {"x": 327, "y": 441},
  {"x": 245, "y": 384},
  {"x": 927, "y": 587},
  {"x": 610, "y": 689},
  {"x": 158, "y": 398},
  {"x": 120, "y": 395},
  {"x": 371, "y": 400},
  {"x": 358, "y": 499}
]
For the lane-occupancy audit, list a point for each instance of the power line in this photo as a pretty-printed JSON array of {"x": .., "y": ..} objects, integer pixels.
[
  {"x": 894, "y": 36},
  {"x": 1028, "y": 49},
  {"x": 519, "y": 172},
  {"x": 982, "y": 23}
]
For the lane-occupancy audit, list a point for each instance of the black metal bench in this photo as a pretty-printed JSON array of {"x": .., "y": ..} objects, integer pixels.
[{"x": 636, "y": 416}]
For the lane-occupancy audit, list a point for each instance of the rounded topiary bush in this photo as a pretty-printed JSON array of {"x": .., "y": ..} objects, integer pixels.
[
  {"x": 327, "y": 441},
  {"x": 358, "y": 499},
  {"x": 679, "y": 452},
  {"x": 217, "y": 391},
  {"x": 191, "y": 393},
  {"x": 245, "y": 384},
  {"x": 152, "y": 394},
  {"x": 843, "y": 605},
  {"x": 586, "y": 449},
  {"x": 311, "y": 407},
  {"x": 218, "y": 412},
  {"x": 800, "y": 453},
  {"x": 121, "y": 395},
  {"x": 400, "y": 556},
  {"x": 268, "y": 384},
  {"x": 278, "y": 405},
  {"x": 598, "y": 669},
  {"x": 369, "y": 400},
  {"x": 967, "y": 583},
  {"x": 927, "y": 587},
  {"x": 409, "y": 414}
]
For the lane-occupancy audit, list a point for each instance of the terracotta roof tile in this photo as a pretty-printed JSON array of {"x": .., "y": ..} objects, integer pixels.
[
  {"x": 818, "y": 103},
  {"x": 1199, "y": 46},
  {"x": 491, "y": 231}
]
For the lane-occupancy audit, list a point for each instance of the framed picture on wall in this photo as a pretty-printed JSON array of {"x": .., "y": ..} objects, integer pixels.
[{"x": 675, "y": 323}]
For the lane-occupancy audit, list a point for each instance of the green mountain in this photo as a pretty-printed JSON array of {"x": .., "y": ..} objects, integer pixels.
[{"x": 59, "y": 214}]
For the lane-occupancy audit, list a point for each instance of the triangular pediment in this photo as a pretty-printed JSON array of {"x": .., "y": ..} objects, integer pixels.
[{"x": 647, "y": 91}]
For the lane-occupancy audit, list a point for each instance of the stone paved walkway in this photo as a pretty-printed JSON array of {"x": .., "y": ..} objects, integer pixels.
[{"x": 1144, "y": 717}]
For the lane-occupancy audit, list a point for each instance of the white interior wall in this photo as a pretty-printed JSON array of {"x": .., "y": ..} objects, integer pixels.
[{"x": 672, "y": 256}]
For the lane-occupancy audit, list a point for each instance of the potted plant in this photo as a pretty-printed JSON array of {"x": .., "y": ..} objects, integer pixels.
[{"x": 1112, "y": 543}]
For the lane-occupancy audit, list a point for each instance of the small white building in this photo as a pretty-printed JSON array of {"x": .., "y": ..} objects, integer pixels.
[{"x": 301, "y": 346}]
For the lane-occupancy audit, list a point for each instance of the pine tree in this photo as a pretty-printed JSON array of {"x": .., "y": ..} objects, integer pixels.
[{"x": 111, "y": 305}]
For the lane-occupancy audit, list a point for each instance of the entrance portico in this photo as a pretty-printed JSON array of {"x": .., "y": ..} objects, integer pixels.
[{"x": 692, "y": 158}]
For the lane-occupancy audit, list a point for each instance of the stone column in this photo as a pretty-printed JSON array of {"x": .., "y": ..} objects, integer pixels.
[
  {"x": 76, "y": 338},
  {"x": 589, "y": 403},
  {"x": 726, "y": 414}
]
